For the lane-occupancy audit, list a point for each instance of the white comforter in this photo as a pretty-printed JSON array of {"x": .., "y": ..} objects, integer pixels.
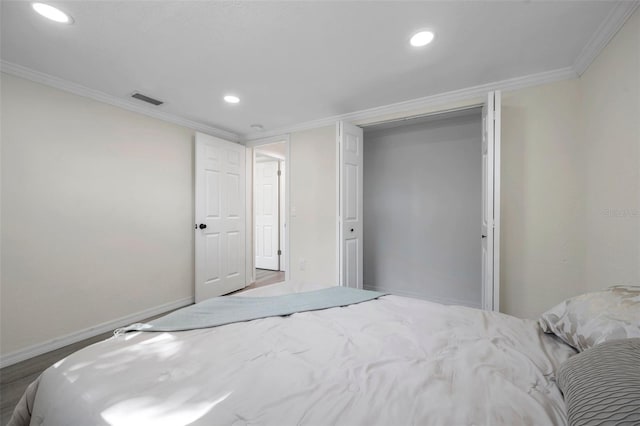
[{"x": 391, "y": 361}]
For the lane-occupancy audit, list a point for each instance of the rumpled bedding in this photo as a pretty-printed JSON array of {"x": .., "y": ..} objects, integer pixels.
[
  {"x": 225, "y": 310},
  {"x": 22, "y": 413},
  {"x": 390, "y": 361}
]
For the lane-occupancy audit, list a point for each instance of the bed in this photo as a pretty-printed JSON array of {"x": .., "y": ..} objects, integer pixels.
[{"x": 388, "y": 361}]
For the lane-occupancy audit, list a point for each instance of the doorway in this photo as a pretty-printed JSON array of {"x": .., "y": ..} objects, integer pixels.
[
  {"x": 422, "y": 191},
  {"x": 411, "y": 214},
  {"x": 269, "y": 218}
]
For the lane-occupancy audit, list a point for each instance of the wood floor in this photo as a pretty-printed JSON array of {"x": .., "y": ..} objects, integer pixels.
[
  {"x": 14, "y": 379},
  {"x": 265, "y": 277}
]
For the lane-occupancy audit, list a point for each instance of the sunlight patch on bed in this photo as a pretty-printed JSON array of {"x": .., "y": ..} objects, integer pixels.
[
  {"x": 157, "y": 339},
  {"x": 79, "y": 365},
  {"x": 131, "y": 335},
  {"x": 146, "y": 410},
  {"x": 161, "y": 346}
]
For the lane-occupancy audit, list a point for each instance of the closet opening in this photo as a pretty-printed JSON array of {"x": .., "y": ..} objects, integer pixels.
[{"x": 423, "y": 207}]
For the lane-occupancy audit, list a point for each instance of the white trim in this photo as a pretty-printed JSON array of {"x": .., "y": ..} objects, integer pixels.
[
  {"x": 603, "y": 35},
  {"x": 470, "y": 106},
  {"x": 287, "y": 197},
  {"x": 269, "y": 156},
  {"x": 497, "y": 167},
  {"x": 287, "y": 209},
  {"x": 67, "y": 86},
  {"x": 282, "y": 213},
  {"x": 428, "y": 101},
  {"x": 267, "y": 140},
  {"x": 413, "y": 295},
  {"x": 249, "y": 246},
  {"x": 492, "y": 293},
  {"x": 338, "y": 201},
  {"x": 68, "y": 339}
]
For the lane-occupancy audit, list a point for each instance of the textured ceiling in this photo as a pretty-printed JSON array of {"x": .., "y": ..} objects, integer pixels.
[{"x": 292, "y": 62}]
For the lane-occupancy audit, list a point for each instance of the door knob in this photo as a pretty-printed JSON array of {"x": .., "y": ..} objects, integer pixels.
[
  {"x": 351, "y": 229},
  {"x": 484, "y": 236},
  {"x": 202, "y": 226}
]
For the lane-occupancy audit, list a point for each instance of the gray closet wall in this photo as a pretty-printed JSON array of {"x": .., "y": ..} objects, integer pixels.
[{"x": 422, "y": 207}]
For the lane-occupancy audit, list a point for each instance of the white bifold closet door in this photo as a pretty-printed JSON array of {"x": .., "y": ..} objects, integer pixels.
[
  {"x": 350, "y": 205},
  {"x": 350, "y": 188},
  {"x": 220, "y": 209},
  {"x": 267, "y": 215},
  {"x": 490, "y": 238}
]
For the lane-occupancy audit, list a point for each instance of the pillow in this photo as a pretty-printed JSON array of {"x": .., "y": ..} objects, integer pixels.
[
  {"x": 602, "y": 385},
  {"x": 592, "y": 318}
]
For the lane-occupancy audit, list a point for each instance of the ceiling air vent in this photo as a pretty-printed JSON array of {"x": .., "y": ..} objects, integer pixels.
[{"x": 147, "y": 99}]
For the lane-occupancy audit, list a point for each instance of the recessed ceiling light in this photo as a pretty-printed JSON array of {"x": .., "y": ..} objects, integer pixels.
[
  {"x": 231, "y": 99},
  {"x": 421, "y": 39},
  {"x": 52, "y": 13},
  {"x": 257, "y": 127}
]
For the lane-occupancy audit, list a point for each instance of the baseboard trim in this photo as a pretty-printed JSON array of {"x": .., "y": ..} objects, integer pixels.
[
  {"x": 59, "y": 342},
  {"x": 414, "y": 295}
]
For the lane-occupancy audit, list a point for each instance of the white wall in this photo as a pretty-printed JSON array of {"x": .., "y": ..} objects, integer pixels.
[
  {"x": 571, "y": 182},
  {"x": 313, "y": 205},
  {"x": 422, "y": 210},
  {"x": 97, "y": 213},
  {"x": 542, "y": 227},
  {"x": 610, "y": 91}
]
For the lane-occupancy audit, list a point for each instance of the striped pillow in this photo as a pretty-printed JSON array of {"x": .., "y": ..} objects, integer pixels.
[{"x": 601, "y": 385}]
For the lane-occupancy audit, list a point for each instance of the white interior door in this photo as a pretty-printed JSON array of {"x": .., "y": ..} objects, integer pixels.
[
  {"x": 220, "y": 206},
  {"x": 267, "y": 209},
  {"x": 491, "y": 202},
  {"x": 350, "y": 209}
]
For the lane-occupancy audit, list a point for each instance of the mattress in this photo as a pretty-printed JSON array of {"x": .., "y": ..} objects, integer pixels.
[{"x": 390, "y": 361}]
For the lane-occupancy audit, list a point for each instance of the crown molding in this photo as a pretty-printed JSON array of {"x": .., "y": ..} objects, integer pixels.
[
  {"x": 77, "y": 89},
  {"x": 603, "y": 35},
  {"x": 362, "y": 115},
  {"x": 424, "y": 102}
]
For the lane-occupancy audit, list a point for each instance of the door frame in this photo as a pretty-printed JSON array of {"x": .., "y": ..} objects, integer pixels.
[
  {"x": 279, "y": 160},
  {"x": 250, "y": 244},
  {"x": 493, "y": 293},
  {"x": 497, "y": 176}
]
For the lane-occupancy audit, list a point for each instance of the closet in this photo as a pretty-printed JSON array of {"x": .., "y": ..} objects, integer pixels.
[
  {"x": 422, "y": 207},
  {"x": 430, "y": 225}
]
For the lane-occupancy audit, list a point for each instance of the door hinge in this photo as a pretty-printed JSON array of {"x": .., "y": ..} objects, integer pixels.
[
  {"x": 279, "y": 173},
  {"x": 279, "y": 252}
]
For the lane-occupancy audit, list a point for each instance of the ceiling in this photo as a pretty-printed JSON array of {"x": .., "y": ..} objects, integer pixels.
[{"x": 291, "y": 62}]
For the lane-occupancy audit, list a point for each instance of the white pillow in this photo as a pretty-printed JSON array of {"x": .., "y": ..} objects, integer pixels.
[{"x": 592, "y": 318}]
